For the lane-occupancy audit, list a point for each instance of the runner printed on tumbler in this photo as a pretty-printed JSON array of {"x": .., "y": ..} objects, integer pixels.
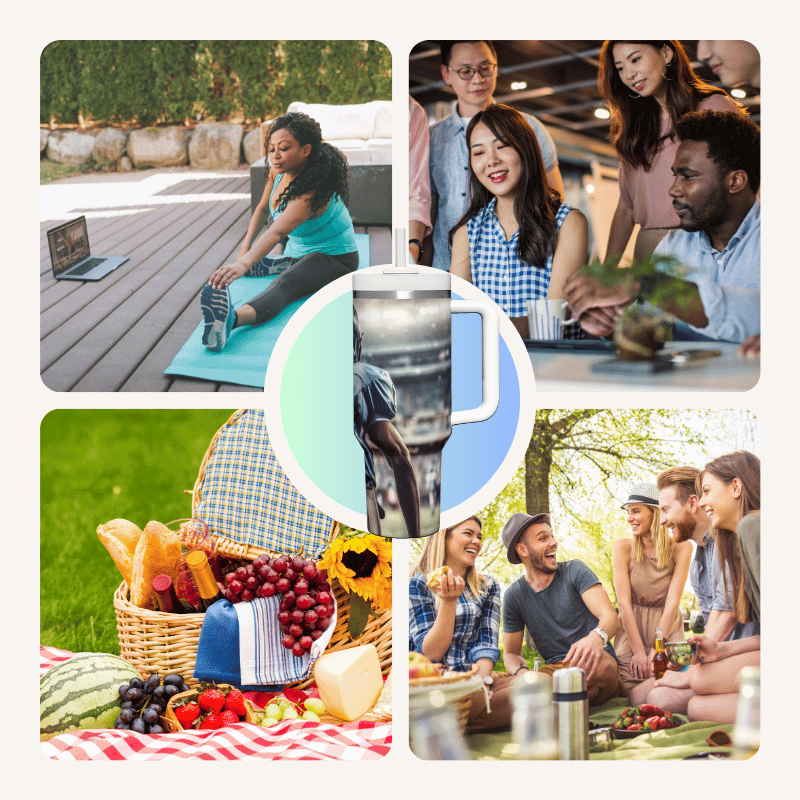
[
  {"x": 402, "y": 352},
  {"x": 374, "y": 408}
]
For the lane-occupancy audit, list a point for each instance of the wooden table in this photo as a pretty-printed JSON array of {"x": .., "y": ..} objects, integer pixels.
[
  {"x": 176, "y": 226},
  {"x": 556, "y": 370}
]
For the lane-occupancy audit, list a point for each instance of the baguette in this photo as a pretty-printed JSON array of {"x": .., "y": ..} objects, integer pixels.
[
  {"x": 158, "y": 551},
  {"x": 120, "y": 538}
]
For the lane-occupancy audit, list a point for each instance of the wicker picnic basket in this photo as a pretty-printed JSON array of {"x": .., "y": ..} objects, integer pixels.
[
  {"x": 461, "y": 705},
  {"x": 155, "y": 642}
]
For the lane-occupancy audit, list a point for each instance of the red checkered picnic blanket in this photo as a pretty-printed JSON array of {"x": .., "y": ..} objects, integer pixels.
[{"x": 294, "y": 740}]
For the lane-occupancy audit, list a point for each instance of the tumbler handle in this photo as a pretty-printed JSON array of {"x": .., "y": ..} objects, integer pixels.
[{"x": 490, "y": 358}]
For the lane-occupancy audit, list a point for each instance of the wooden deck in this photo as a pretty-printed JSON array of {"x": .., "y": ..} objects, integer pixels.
[{"x": 121, "y": 333}]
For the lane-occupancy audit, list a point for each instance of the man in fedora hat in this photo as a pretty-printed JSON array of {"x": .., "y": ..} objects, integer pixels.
[{"x": 562, "y": 605}]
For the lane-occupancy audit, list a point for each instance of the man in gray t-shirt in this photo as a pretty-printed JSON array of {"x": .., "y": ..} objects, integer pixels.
[{"x": 562, "y": 605}]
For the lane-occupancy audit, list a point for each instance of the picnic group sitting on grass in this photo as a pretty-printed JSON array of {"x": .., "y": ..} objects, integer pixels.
[
  {"x": 569, "y": 616},
  {"x": 306, "y": 195},
  {"x": 689, "y": 178}
]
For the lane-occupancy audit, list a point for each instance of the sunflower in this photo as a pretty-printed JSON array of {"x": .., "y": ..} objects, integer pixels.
[{"x": 362, "y": 563}]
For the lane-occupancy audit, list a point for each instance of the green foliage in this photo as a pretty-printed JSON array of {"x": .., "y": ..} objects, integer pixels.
[
  {"x": 96, "y": 466},
  {"x": 671, "y": 285},
  {"x": 528, "y": 654},
  {"x": 144, "y": 82},
  {"x": 59, "y": 82},
  {"x": 175, "y": 88}
]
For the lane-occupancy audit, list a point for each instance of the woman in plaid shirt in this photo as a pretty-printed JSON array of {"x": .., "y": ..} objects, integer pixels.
[
  {"x": 457, "y": 622},
  {"x": 517, "y": 240}
]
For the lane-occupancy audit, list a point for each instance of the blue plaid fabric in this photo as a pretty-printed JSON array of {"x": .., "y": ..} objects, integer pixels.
[
  {"x": 247, "y": 497},
  {"x": 498, "y": 271},
  {"x": 477, "y": 628}
]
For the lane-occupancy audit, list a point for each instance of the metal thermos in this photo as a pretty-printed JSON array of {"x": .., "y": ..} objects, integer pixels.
[
  {"x": 532, "y": 718},
  {"x": 435, "y": 733},
  {"x": 571, "y": 707}
]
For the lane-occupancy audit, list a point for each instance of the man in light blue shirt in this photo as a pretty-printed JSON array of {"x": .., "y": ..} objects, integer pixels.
[
  {"x": 470, "y": 68},
  {"x": 717, "y": 176}
]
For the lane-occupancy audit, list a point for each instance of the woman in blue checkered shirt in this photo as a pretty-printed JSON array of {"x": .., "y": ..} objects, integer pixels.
[
  {"x": 517, "y": 240},
  {"x": 456, "y": 621}
]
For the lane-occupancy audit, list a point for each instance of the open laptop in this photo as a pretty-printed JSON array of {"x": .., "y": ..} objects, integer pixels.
[{"x": 70, "y": 256}]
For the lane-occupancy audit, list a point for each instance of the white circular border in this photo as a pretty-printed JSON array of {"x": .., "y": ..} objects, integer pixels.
[{"x": 331, "y": 507}]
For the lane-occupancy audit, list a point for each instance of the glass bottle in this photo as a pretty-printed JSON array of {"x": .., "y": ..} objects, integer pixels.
[
  {"x": 435, "y": 733},
  {"x": 532, "y": 721},
  {"x": 747, "y": 727},
  {"x": 204, "y": 579},
  {"x": 166, "y": 598},
  {"x": 660, "y": 659}
]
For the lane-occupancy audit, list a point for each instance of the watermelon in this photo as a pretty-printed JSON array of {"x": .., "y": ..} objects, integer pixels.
[{"x": 82, "y": 693}]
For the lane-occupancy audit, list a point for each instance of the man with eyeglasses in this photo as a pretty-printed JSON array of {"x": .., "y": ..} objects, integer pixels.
[{"x": 471, "y": 69}]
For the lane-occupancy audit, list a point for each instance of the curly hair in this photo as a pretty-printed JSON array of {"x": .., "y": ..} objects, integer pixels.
[
  {"x": 325, "y": 170},
  {"x": 734, "y": 141},
  {"x": 636, "y": 121},
  {"x": 535, "y": 203}
]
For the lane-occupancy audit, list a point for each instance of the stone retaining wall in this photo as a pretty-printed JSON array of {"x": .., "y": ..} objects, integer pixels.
[{"x": 211, "y": 145}]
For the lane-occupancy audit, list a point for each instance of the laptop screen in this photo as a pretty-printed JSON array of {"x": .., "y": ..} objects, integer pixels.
[{"x": 69, "y": 243}]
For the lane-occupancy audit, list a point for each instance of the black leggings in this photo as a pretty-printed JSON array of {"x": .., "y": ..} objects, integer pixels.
[{"x": 304, "y": 277}]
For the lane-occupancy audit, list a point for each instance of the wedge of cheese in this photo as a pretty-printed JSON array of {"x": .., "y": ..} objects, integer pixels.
[{"x": 349, "y": 681}]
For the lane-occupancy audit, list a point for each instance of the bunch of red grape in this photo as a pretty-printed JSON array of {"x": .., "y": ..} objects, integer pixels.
[{"x": 307, "y": 606}]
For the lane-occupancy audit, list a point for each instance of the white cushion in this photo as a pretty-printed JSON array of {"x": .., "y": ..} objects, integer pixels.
[{"x": 362, "y": 121}]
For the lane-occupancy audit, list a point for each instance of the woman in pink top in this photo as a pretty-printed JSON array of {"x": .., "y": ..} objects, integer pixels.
[{"x": 648, "y": 86}]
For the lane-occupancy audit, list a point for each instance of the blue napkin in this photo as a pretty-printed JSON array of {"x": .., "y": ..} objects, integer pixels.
[{"x": 241, "y": 644}]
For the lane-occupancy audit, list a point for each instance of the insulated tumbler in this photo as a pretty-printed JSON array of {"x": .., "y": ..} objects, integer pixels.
[{"x": 401, "y": 390}]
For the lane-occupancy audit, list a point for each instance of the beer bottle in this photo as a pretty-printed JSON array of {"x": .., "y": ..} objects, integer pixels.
[
  {"x": 660, "y": 659},
  {"x": 204, "y": 579}
]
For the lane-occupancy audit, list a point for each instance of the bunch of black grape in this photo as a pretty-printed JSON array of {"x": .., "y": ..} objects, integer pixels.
[{"x": 143, "y": 702}]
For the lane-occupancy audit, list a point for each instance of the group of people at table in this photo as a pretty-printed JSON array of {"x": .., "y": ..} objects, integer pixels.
[
  {"x": 569, "y": 616},
  {"x": 689, "y": 177}
]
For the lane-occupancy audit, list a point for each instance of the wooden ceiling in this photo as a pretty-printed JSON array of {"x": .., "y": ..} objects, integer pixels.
[{"x": 561, "y": 78}]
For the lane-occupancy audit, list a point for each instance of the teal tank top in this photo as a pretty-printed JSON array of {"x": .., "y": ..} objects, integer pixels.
[{"x": 331, "y": 232}]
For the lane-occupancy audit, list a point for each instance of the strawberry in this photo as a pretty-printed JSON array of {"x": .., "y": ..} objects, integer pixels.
[
  {"x": 228, "y": 717},
  {"x": 211, "y": 720},
  {"x": 234, "y": 701},
  {"x": 187, "y": 714},
  {"x": 211, "y": 700},
  {"x": 653, "y": 722}
]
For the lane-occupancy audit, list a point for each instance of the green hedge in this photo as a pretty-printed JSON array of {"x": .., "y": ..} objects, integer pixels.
[{"x": 146, "y": 82}]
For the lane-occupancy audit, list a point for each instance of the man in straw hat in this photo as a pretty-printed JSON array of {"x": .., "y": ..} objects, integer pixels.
[{"x": 562, "y": 605}]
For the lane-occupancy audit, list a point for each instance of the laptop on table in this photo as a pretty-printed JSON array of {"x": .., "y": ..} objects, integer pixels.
[{"x": 70, "y": 256}]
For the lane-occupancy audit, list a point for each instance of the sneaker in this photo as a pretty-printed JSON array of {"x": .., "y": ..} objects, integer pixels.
[
  {"x": 269, "y": 266},
  {"x": 217, "y": 315}
]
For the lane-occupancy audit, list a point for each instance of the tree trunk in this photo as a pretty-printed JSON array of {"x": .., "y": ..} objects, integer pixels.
[{"x": 538, "y": 461}]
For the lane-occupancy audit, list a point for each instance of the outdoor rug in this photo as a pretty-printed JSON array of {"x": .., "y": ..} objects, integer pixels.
[
  {"x": 246, "y": 355},
  {"x": 686, "y": 740}
]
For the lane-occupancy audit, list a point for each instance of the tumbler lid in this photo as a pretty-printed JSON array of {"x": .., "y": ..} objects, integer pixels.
[{"x": 397, "y": 283}]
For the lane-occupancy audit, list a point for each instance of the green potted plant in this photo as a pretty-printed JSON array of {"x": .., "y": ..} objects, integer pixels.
[{"x": 642, "y": 328}]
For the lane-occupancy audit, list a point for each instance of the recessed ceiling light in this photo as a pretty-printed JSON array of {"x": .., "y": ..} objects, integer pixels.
[
  {"x": 517, "y": 86},
  {"x": 602, "y": 113},
  {"x": 740, "y": 93}
]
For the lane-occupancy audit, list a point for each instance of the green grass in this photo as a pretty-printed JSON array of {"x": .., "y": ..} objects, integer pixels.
[
  {"x": 52, "y": 171},
  {"x": 99, "y": 465}
]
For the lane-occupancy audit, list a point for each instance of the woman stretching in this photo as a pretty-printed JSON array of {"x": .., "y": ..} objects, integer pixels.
[
  {"x": 517, "y": 241},
  {"x": 648, "y": 87},
  {"x": 650, "y": 572},
  {"x": 454, "y": 617},
  {"x": 730, "y": 492},
  {"x": 307, "y": 196}
]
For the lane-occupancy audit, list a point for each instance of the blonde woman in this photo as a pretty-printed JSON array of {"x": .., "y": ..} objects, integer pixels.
[
  {"x": 650, "y": 572},
  {"x": 456, "y": 622}
]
